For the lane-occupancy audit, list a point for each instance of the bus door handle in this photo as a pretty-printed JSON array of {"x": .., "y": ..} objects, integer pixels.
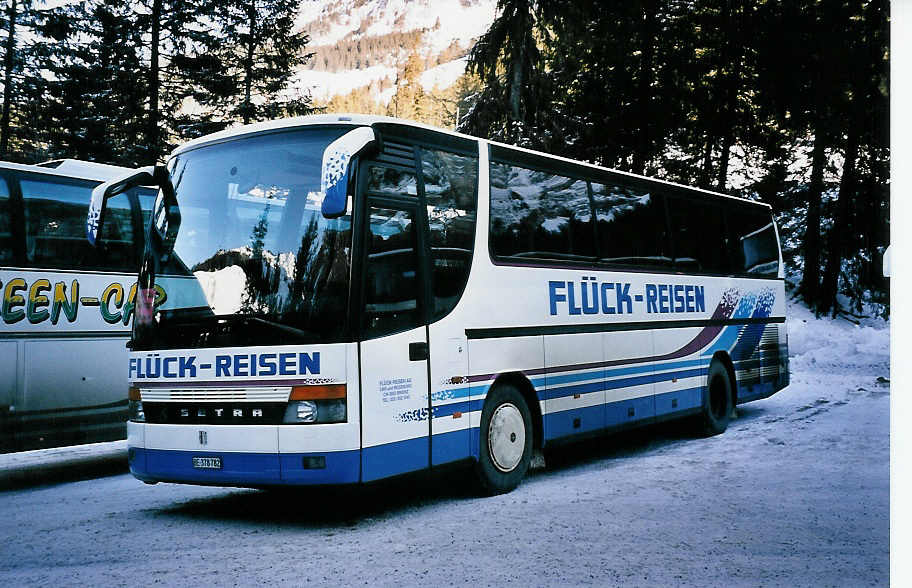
[{"x": 418, "y": 351}]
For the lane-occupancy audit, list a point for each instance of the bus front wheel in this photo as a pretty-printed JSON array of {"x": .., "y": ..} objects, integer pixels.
[
  {"x": 505, "y": 440},
  {"x": 717, "y": 407}
]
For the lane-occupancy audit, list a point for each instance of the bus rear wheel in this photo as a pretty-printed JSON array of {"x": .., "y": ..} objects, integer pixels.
[
  {"x": 717, "y": 407},
  {"x": 505, "y": 441}
]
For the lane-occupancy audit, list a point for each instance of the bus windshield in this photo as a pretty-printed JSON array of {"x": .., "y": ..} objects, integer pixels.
[{"x": 254, "y": 262}]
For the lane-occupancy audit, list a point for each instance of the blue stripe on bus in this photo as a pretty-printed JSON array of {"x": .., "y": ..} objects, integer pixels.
[
  {"x": 757, "y": 391},
  {"x": 729, "y": 334},
  {"x": 621, "y": 383},
  {"x": 613, "y": 414},
  {"x": 391, "y": 459},
  {"x": 451, "y": 446},
  {"x": 688, "y": 398},
  {"x": 445, "y": 410},
  {"x": 544, "y": 382},
  {"x": 573, "y": 421}
]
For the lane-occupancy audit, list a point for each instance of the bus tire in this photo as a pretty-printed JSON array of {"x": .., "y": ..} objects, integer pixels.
[
  {"x": 505, "y": 441},
  {"x": 717, "y": 408}
]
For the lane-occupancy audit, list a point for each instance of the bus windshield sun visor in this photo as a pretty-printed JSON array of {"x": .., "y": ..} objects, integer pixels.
[{"x": 337, "y": 163}]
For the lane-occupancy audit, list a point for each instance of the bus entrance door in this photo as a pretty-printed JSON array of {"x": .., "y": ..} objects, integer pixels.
[{"x": 394, "y": 353}]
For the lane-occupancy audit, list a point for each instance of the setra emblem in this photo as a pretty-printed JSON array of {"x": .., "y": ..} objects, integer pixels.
[{"x": 203, "y": 437}]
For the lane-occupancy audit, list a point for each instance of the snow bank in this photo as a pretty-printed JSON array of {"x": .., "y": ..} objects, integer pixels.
[{"x": 836, "y": 344}]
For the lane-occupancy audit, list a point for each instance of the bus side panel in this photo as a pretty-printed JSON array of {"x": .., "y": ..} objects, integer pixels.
[
  {"x": 394, "y": 401},
  {"x": 9, "y": 384},
  {"x": 629, "y": 385},
  {"x": 450, "y": 392},
  {"x": 759, "y": 369},
  {"x": 679, "y": 381},
  {"x": 574, "y": 384},
  {"x": 74, "y": 390},
  {"x": 489, "y": 358}
]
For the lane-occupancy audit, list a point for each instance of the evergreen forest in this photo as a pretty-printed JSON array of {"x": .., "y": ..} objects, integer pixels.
[{"x": 782, "y": 102}]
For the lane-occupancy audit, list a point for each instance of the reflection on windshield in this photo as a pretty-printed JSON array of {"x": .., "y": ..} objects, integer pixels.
[{"x": 253, "y": 237}]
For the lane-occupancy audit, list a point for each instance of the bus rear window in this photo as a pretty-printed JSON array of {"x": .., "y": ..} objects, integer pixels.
[{"x": 752, "y": 242}]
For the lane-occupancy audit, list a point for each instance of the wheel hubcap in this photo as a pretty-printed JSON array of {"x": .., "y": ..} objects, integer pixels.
[{"x": 506, "y": 437}]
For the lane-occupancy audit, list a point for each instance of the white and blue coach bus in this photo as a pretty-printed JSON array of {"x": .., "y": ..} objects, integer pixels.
[
  {"x": 66, "y": 306},
  {"x": 352, "y": 298}
]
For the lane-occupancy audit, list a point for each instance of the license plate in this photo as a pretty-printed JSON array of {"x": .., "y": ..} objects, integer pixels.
[{"x": 207, "y": 463}]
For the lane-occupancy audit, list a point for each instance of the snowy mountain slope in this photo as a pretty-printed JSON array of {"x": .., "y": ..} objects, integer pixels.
[{"x": 443, "y": 32}]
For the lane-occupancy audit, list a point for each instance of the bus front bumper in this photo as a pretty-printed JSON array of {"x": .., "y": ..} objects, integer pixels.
[{"x": 164, "y": 453}]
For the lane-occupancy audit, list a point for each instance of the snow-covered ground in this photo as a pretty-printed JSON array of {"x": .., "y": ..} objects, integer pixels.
[{"x": 796, "y": 492}]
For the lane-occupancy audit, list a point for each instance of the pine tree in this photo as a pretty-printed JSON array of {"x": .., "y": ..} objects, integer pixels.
[
  {"x": 508, "y": 60},
  {"x": 97, "y": 94},
  {"x": 22, "y": 82},
  {"x": 242, "y": 73}
]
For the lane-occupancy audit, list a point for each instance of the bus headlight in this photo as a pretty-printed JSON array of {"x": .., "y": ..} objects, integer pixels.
[
  {"x": 307, "y": 411},
  {"x": 317, "y": 404},
  {"x": 135, "y": 411}
]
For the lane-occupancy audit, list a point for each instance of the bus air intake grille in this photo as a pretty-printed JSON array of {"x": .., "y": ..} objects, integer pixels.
[
  {"x": 216, "y": 394},
  {"x": 209, "y": 413}
]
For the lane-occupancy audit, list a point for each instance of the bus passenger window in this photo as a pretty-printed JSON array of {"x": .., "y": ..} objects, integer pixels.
[
  {"x": 392, "y": 283},
  {"x": 539, "y": 215},
  {"x": 449, "y": 186},
  {"x": 6, "y": 229},
  {"x": 55, "y": 212},
  {"x": 697, "y": 230},
  {"x": 388, "y": 180},
  {"x": 631, "y": 226}
]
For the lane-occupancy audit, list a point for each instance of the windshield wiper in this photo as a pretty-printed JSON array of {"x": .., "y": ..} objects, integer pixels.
[
  {"x": 208, "y": 323},
  {"x": 275, "y": 325}
]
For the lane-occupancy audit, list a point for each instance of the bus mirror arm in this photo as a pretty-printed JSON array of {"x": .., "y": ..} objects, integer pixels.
[
  {"x": 166, "y": 216},
  {"x": 104, "y": 192}
]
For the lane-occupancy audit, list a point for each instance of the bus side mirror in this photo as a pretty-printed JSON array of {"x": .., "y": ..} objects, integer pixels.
[
  {"x": 166, "y": 213},
  {"x": 336, "y": 171},
  {"x": 104, "y": 192}
]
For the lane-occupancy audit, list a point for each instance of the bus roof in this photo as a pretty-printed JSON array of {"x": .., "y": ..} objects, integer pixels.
[
  {"x": 368, "y": 120},
  {"x": 71, "y": 168}
]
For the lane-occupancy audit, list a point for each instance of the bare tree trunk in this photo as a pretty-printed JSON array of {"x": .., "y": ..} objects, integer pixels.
[
  {"x": 519, "y": 58},
  {"x": 8, "y": 80},
  {"x": 706, "y": 168},
  {"x": 152, "y": 132},
  {"x": 248, "y": 62},
  {"x": 836, "y": 241},
  {"x": 731, "y": 81},
  {"x": 644, "y": 102},
  {"x": 722, "y": 180},
  {"x": 810, "y": 283}
]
